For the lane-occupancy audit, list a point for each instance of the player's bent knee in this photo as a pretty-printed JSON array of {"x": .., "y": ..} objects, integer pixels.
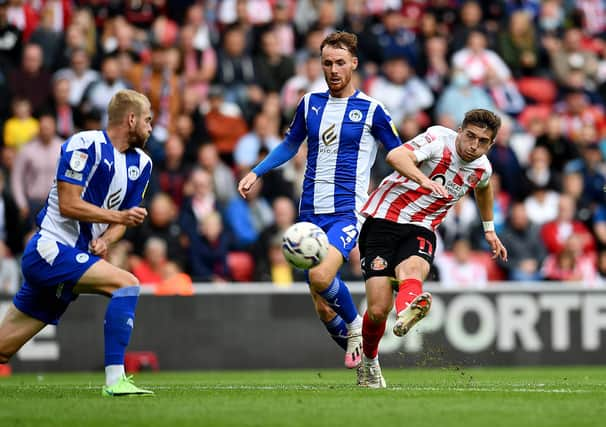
[
  {"x": 377, "y": 313},
  {"x": 320, "y": 279}
]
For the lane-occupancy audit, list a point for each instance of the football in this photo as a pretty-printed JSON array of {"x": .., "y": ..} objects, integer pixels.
[{"x": 304, "y": 245}]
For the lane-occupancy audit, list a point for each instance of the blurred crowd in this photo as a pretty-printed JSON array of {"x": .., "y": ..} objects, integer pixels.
[{"x": 224, "y": 77}]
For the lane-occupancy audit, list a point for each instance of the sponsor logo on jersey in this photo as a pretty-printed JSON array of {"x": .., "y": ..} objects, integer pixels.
[
  {"x": 378, "y": 264},
  {"x": 78, "y": 161},
  {"x": 113, "y": 200},
  {"x": 133, "y": 172},
  {"x": 355, "y": 115},
  {"x": 329, "y": 135},
  {"x": 75, "y": 175}
]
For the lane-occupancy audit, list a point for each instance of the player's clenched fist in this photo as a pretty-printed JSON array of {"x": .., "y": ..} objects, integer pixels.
[{"x": 133, "y": 216}]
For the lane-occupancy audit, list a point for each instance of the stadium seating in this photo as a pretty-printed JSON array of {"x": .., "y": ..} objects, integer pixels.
[
  {"x": 242, "y": 266},
  {"x": 135, "y": 361}
]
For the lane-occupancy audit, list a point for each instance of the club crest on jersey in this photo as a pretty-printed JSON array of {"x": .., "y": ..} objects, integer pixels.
[
  {"x": 355, "y": 115},
  {"x": 82, "y": 258},
  {"x": 133, "y": 172},
  {"x": 329, "y": 135},
  {"x": 78, "y": 161},
  {"x": 378, "y": 264}
]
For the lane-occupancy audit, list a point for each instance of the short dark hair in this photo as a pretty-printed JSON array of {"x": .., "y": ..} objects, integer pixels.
[
  {"x": 342, "y": 40},
  {"x": 484, "y": 119}
]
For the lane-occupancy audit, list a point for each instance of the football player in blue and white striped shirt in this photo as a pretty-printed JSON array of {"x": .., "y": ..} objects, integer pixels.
[
  {"x": 341, "y": 127},
  {"x": 100, "y": 182}
]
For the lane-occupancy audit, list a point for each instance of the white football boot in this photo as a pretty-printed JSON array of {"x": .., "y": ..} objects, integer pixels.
[
  {"x": 372, "y": 372},
  {"x": 416, "y": 310},
  {"x": 353, "y": 354}
]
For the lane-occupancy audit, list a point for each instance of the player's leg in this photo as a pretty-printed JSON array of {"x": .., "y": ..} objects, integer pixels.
[
  {"x": 333, "y": 323},
  {"x": 16, "y": 329},
  {"x": 123, "y": 289},
  {"x": 325, "y": 281},
  {"x": 412, "y": 304},
  {"x": 379, "y": 295}
]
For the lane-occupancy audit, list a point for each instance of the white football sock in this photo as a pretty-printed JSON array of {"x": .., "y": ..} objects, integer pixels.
[
  {"x": 355, "y": 324},
  {"x": 113, "y": 373}
]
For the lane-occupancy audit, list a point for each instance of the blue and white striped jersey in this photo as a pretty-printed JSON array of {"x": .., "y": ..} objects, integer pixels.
[
  {"x": 341, "y": 139},
  {"x": 111, "y": 180}
]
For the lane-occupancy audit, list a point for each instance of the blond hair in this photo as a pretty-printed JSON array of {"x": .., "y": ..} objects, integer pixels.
[{"x": 124, "y": 102}]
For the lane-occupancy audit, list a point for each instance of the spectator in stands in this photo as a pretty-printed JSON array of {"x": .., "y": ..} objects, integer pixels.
[
  {"x": 67, "y": 117},
  {"x": 235, "y": 69},
  {"x": 554, "y": 234},
  {"x": 284, "y": 26},
  {"x": 199, "y": 203},
  {"x": 470, "y": 20},
  {"x": 539, "y": 172},
  {"x": 541, "y": 204},
  {"x": 80, "y": 75},
  {"x": 433, "y": 66},
  {"x": 48, "y": 36},
  {"x": 459, "y": 222},
  {"x": 264, "y": 135},
  {"x": 161, "y": 223},
  {"x": 272, "y": 68},
  {"x": 31, "y": 81},
  {"x": 569, "y": 56},
  {"x": 504, "y": 160},
  {"x": 576, "y": 112},
  {"x": 458, "y": 269},
  {"x": 34, "y": 170},
  {"x": 460, "y": 96},
  {"x": 246, "y": 218},
  {"x": 119, "y": 40},
  {"x": 97, "y": 94},
  {"x": 150, "y": 269},
  {"x": 394, "y": 40},
  {"x": 208, "y": 250},
  {"x": 309, "y": 78},
  {"x": 21, "y": 127},
  {"x": 198, "y": 64},
  {"x": 519, "y": 45},
  {"x": 174, "y": 282},
  {"x": 560, "y": 148},
  {"x": 591, "y": 166},
  {"x": 11, "y": 240},
  {"x": 399, "y": 89},
  {"x": 284, "y": 214},
  {"x": 570, "y": 265},
  {"x": 159, "y": 82},
  {"x": 224, "y": 182},
  {"x": 525, "y": 248},
  {"x": 171, "y": 174},
  {"x": 10, "y": 50},
  {"x": 224, "y": 123},
  {"x": 205, "y": 35}
]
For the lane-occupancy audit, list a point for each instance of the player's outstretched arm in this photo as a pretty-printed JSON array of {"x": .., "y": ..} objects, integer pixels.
[
  {"x": 404, "y": 161},
  {"x": 72, "y": 206},
  {"x": 485, "y": 201}
]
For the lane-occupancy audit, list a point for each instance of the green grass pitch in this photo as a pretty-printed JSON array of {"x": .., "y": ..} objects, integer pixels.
[{"x": 563, "y": 396}]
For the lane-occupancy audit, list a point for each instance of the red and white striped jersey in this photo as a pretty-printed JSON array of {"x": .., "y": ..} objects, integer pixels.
[{"x": 402, "y": 200}]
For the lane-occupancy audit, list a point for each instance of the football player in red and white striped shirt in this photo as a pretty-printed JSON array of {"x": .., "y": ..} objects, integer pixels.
[{"x": 398, "y": 238}]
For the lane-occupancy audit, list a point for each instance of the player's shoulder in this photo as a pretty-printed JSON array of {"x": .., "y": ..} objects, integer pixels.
[
  {"x": 84, "y": 140},
  {"x": 364, "y": 97},
  {"x": 438, "y": 132},
  {"x": 145, "y": 158}
]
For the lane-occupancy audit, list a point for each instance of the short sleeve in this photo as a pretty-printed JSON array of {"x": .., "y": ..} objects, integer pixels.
[
  {"x": 425, "y": 146},
  {"x": 297, "y": 131},
  {"x": 76, "y": 162},
  {"x": 384, "y": 129}
]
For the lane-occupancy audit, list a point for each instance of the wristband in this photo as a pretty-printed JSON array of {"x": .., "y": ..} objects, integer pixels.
[{"x": 488, "y": 226}]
